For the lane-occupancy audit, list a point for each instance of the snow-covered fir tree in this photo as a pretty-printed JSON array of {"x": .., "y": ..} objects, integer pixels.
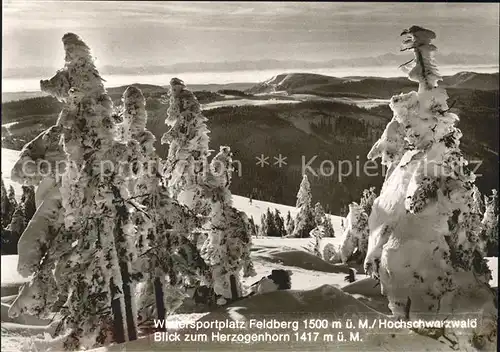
[
  {"x": 424, "y": 243},
  {"x": 314, "y": 245},
  {"x": 18, "y": 222},
  {"x": 355, "y": 238},
  {"x": 290, "y": 224},
  {"x": 227, "y": 248},
  {"x": 328, "y": 230},
  {"x": 253, "y": 226},
  {"x": 263, "y": 224},
  {"x": 490, "y": 224},
  {"x": 331, "y": 253},
  {"x": 478, "y": 206},
  {"x": 270, "y": 224},
  {"x": 28, "y": 202},
  {"x": 7, "y": 207},
  {"x": 271, "y": 228},
  {"x": 89, "y": 254},
  {"x": 11, "y": 195},
  {"x": 186, "y": 164},
  {"x": 323, "y": 224},
  {"x": 279, "y": 224},
  {"x": 319, "y": 214},
  {"x": 367, "y": 200},
  {"x": 304, "y": 221}
]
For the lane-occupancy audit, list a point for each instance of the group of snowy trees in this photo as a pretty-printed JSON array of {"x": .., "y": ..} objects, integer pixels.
[
  {"x": 115, "y": 217},
  {"x": 15, "y": 216},
  {"x": 309, "y": 222},
  {"x": 273, "y": 225}
]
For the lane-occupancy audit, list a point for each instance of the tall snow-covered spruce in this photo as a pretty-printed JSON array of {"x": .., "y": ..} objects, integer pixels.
[
  {"x": 186, "y": 164},
  {"x": 204, "y": 189},
  {"x": 304, "y": 221},
  {"x": 490, "y": 224},
  {"x": 355, "y": 239},
  {"x": 424, "y": 243}
]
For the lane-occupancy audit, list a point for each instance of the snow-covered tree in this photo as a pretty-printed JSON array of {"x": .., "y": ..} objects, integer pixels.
[
  {"x": 367, "y": 200},
  {"x": 331, "y": 253},
  {"x": 28, "y": 202},
  {"x": 319, "y": 214},
  {"x": 87, "y": 256},
  {"x": 290, "y": 224},
  {"x": 248, "y": 267},
  {"x": 304, "y": 222},
  {"x": 328, "y": 230},
  {"x": 279, "y": 224},
  {"x": 323, "y": 224},
  {"x": 8, "y": 207},
  {"x": 253, "y": 226},
  {"x": 490, "y": 224},
  {"x": 11, "y": 195},
  {"x": 355, "y": 237},
  {"x": 314, "y": 245},
  {"x": 97, "y": 207},
  {"x": 18, "y": 223},
  {"x": 271, "y": 228},
  {"x": 478, "y": 206},
  {"x": 424, "y": 243},
  {"x": 263, "y": 224},
  {"x": 186, "y": 164},
  {"x": 229, "y": 239}
]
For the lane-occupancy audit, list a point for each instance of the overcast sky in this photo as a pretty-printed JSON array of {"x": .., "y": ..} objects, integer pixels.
[{"x": 163, "y": 33}]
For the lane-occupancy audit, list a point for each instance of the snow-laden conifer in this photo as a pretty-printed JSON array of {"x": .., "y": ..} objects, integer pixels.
[
  {"x": 186, "y": 163},
  {"x": 87, "y": 256},
  {"x": 7, "y": 207},
  {"x": 328, "y": 227},
  {"x": 304, "y": 221},
  {"x": 490, "y": 224},
  {"x": 355, "y": 237},
  {"x": 227, "y": 247},
  {"x": 319, "y": 214},
  {"x": 424, "y": 243},
  {"x": 290, "y": 224}
]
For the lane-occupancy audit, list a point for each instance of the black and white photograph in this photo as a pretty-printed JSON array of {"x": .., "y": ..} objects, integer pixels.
[{"x": 249, "y": 176}]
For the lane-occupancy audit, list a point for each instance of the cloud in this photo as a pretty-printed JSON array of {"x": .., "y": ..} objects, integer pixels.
[{"x": 152, "y": 32}]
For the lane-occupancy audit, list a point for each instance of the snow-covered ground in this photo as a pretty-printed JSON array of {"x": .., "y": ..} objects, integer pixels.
[
  {"x": 362, "y": 103},
  {"x": 242, "y": 102}
]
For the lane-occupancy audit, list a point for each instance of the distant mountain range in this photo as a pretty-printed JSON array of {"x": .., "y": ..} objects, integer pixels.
[
  {"x": 389, "y": 59},
  {"x": 366, "y": 87}
]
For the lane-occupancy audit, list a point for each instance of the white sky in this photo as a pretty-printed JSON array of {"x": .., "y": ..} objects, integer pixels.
[{"x": 163, "y": 33}]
